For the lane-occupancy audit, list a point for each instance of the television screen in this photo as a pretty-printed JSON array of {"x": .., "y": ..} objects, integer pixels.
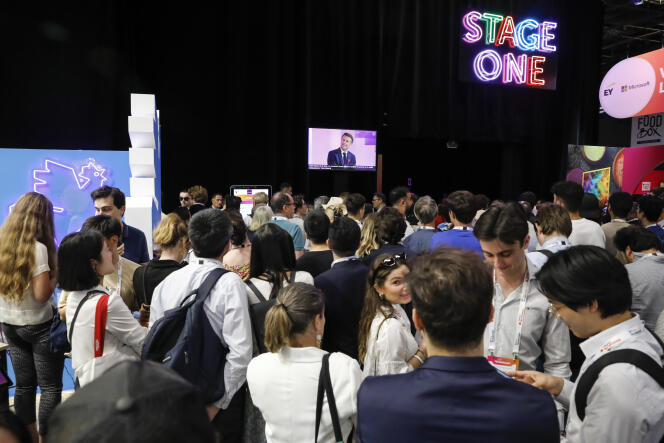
[
  {"x": 247, "y": 192},
  {"x": 342, "y": 149}
]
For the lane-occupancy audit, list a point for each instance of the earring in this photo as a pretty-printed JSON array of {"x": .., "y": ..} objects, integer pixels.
[
  {"x": 319, "y": 339},
  {"x": 381, "y": 296}
]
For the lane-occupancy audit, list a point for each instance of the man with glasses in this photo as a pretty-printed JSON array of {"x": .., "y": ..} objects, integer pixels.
[
  {"x": 185, "y": 199},
  {"x": 378, "y": 201},
  {"x": 283, "y": 208},
  {"x": 616, "y": 397},
  {"x": 523, "y": 334}
]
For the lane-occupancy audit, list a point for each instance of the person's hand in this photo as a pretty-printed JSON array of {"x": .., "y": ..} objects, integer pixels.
[
  {"x": 121, "y": 249},
  {"x": 553, "y": 385}
]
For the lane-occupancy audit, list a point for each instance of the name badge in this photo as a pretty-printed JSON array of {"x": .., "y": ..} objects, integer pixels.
[{"x": 503, "y": 364}]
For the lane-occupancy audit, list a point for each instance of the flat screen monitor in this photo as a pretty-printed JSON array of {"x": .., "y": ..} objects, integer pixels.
[
  {"x": 246, "y": 193},
  {"x": 342, "y": 149}
]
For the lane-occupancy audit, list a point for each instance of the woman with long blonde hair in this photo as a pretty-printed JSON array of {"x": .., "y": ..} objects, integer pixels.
[
  {"x": 28, "y": 275},
  {"x": 368, "y": 236}
]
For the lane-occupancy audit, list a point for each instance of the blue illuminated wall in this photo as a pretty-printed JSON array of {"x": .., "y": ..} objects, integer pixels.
[{"x": 66, "y": 177}]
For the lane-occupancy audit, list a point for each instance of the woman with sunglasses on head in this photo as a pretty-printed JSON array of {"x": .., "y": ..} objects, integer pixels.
[{"x": 386, "y": 345}]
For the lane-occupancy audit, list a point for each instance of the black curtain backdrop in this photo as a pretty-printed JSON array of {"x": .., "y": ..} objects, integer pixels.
[{"x": 239, "y": 83}]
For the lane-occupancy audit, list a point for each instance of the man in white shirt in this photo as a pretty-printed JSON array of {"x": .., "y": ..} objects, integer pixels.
[
  {"x": 569, "y": 195},
  {"x": 590, "y": 291},
  {"x": 523, "y": 333},
  {"x": 401, "y": 200},
  {"x": 226, "y": 307},
  {"x": 553, "y": 227}
]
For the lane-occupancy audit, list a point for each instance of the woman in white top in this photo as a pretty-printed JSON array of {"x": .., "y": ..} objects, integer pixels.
[
  {"x": 27, "y": 279},
  {"x": 84, "y": 259},
  {"x": 284, "y": 382},
  {"x": 386, "y": 345},
  {"x": 272, "y": 263}
]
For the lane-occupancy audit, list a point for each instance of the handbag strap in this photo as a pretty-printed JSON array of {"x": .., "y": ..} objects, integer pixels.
[
  {"x": 78, "y": 308},
  {"x": 325, "y": 388},
  {"x": 291, "y": 279},
  {"x": 255, "y": 290},
  {"x": 101, "y": 314}
]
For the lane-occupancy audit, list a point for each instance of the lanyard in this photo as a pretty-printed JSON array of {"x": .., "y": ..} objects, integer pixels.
[
  {"x": 463, "y": 228},
  {"x": 519, "y": 318},
  {"x": 279, "y": 217}
]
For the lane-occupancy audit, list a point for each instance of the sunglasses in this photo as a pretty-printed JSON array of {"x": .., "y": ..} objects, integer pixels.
[
  {"x": 184, "y": 198},
  {"x": 390, "y": 262}
]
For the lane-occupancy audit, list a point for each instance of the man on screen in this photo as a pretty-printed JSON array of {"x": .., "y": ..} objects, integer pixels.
[{"x": 342, "y": 155}]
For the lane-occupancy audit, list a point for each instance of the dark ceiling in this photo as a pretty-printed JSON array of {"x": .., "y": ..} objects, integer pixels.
[{"x": 631, "y": 29}]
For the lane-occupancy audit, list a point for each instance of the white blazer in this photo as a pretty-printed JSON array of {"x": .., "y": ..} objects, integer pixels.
[
  {"x": 123, "y": 339},
  {"x": 284, "y": 387}
]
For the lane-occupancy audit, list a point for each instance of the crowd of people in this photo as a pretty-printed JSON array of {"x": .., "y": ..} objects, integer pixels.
[{"x": 385, "y": 319}]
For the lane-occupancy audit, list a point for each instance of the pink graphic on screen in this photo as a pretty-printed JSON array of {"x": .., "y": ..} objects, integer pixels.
[{"x": 322, "y": 141}]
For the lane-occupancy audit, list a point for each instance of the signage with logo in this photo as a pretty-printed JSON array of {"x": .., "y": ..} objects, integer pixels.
[
  {"x": 648, "y": 129},
  {"x": 508, "y": 50},
  {"x": 634, "y": 86}
]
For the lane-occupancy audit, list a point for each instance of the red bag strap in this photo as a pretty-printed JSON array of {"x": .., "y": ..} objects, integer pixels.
[{"x": 100, "y": 324}]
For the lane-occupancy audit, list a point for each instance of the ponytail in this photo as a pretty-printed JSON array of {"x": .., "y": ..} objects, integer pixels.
[
  {"x": 277, "y": 328},
  {"x": 297, "y": 306}
]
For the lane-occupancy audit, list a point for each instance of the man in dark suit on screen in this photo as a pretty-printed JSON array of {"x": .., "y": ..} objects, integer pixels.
[
  {"x": 342, "y": 155},
  {"x": 455, "y": 395}
]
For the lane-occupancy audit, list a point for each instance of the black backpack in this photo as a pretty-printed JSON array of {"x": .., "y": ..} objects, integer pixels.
[
  {"x": 258, "y": 312},
  {"x": 184, "y": 340},
  {"x": 637, "y": 358}
]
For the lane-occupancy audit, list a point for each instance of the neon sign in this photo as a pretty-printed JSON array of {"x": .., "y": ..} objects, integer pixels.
[{"x": 498, "y": 49}]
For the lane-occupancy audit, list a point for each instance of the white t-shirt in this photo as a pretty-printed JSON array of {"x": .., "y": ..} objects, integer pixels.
[
  {"x": 265, "y": 287},
  {"x": 587, "y": 232},
  {"x": 30, "y": 311},
  {"x": 284, "y": 386},
  {"x": 390, "y": 344}
]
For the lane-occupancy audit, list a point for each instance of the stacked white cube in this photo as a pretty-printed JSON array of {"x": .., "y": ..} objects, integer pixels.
[{"x": 143, "y": 207}]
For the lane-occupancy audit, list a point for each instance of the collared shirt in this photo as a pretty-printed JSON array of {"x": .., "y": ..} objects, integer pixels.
[
  {"x": 554, "y": 245},
  {"x": 135, "y": 245},
  {"x": 293, "y": 230},
  {"x": 587, "y": 232},
  {"x": 543, "y": 336},
  {"x": 343, "y": 259},
  {"x": 419, "y": 241},
  {"x": 226, "y": 309},
  {"x": 625, "y": 404},
  {"x": 646, "y": 276},
  {"x": 390, "y": 344}
]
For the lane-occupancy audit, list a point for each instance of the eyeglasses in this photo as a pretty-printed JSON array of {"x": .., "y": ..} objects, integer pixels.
[
  {"x": 184, "y": 198},
  {"x": 553, "y": 310}
]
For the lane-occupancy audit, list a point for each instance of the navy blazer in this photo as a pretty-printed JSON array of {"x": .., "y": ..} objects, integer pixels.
[
  {"x": 344, "y": 286},
  {"x": 136, "y": 247},
  {"x": 334, "y": 158},
  {"x": 454, "y": 399}
]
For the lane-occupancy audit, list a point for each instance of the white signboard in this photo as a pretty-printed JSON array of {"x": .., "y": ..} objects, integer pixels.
[{"x": 648, "y": 129}]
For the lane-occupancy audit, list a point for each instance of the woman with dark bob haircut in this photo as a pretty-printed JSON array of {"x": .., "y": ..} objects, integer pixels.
[
  {"x": 272, "y": 263},
  {"x": 84, "y": 259}
]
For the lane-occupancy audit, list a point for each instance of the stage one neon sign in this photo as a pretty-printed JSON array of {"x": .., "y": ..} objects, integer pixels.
[{"x": 512, "y": 52}]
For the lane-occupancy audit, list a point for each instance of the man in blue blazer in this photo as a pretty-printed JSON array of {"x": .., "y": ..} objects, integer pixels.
[
  {"x": 344, "y": 286},
  {"x": 342, "y": 155},
  {"x": 456, "y": 395}
]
